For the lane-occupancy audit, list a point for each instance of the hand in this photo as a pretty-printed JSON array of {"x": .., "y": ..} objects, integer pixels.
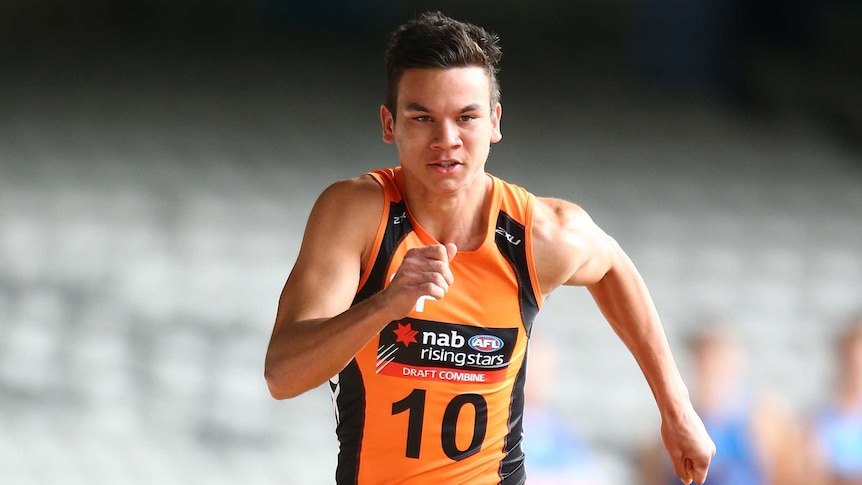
[
  {"x": 689, "y": 446},
  {"x": 423, "y": 273}
]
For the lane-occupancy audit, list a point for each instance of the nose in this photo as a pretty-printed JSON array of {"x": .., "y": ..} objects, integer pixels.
[{"x": 446, "y": 135}]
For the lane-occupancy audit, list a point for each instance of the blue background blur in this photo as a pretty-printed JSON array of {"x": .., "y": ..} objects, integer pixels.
[{"x": 158, "y": 160}]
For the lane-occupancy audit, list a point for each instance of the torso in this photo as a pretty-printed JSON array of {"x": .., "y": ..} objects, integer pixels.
[
  {"x": 839, "y": 431},
  {"x": 437, "y": 397}
]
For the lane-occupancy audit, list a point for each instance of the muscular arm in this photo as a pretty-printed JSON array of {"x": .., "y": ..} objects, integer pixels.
[
  {"x": 316, "y": 331},
  {"x": 315, "y": 335},
  {"x": 570, "y": 249}
]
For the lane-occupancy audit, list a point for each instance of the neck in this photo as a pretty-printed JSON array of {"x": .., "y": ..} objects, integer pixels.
[{"x": 458, "y": 218}]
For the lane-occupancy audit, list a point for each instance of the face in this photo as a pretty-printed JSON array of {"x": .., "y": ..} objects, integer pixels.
[
  {"x": 718, "y": 360},
  {"x": 443, "y": 128}
]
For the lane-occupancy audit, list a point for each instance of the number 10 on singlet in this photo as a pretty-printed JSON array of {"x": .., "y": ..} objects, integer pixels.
[{"x": 414, "y": 405}]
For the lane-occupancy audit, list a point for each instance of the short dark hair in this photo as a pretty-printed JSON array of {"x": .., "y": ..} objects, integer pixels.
[{"x": 434, "y": 40}]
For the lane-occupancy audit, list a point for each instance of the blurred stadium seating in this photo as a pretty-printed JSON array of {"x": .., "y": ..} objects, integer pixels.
[{"x": 151, "y": 208}]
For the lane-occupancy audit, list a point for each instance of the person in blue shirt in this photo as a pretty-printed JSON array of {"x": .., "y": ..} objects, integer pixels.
[
  {"x": 838, "y": 425},
  {"x": 555, "y": 452},
  {"x": 758, "y": 440}
]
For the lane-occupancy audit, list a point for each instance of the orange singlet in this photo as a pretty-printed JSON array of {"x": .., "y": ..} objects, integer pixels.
[{"x": 437, "y": 397}]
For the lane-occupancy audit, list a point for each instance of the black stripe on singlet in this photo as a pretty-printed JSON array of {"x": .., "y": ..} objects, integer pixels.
[
  {"x": 510, "y": 238},
  {"x": 397, "y": 226},
  {"x": 350, "y": 400}
]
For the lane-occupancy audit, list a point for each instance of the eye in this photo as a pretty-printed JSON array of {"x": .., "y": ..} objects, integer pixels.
[
  {"x": 466, "y": 118},
  {"x": 422, "y": 118}
]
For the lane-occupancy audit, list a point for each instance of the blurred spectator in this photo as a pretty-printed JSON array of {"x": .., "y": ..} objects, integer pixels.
[
  {"x": 838, "y": 426},
  {"x": 757, "y": 438},
  {"x": 556, "y": 455}
]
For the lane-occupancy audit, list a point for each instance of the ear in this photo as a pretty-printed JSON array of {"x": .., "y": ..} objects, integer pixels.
[
  {"x": 496, "y": 115},
  {"x": 388, "y": 123}
]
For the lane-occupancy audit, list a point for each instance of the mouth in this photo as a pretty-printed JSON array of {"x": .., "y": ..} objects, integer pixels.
[{"x": 446, "y": 163}]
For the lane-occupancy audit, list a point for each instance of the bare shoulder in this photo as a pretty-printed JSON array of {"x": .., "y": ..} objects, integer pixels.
[
  {"x": 348, "y": 211},
  {"x": 350, "y": 196},
  {"x": 338, "y": 238},
  {"x": 568, "y": 247},
  {"x": 554, "y": 214}
]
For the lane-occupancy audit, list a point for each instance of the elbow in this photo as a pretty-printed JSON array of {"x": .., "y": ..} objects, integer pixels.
[{"x": 280, "y": 387}]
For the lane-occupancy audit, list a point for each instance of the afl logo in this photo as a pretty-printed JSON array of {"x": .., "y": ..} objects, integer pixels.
[{"x": 485, "y": 343}]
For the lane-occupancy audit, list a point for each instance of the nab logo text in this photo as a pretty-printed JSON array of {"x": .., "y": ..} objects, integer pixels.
[
  {"x": 485, "y": 343},
  {"x": 451, "y": 339}
]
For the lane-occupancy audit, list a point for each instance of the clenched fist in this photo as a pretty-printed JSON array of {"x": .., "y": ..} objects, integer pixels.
[
  {"x": 424, "y": 273},
  {"x": 689, "y": 446}
]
